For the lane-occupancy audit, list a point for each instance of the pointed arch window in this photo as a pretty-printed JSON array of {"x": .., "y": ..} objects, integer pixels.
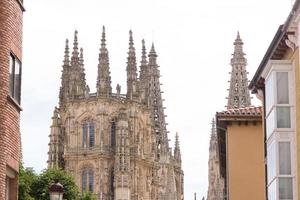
[
  {"x": 88, "y": 134},
  {"x": 113, "y": 135},
  {"x": 87, "y": 180}
]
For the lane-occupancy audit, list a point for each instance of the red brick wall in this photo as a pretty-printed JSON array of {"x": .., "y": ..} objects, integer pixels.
[{"x": 11, "y": 19}]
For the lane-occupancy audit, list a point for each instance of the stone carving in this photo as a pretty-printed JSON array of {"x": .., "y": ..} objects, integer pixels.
[{"x": 125, "y": 138}]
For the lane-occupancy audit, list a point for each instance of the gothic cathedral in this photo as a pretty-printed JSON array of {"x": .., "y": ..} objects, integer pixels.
[{"x": 115, "y": 145}]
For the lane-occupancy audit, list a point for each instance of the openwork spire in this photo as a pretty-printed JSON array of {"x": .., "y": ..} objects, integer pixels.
[
  {"x": 103, "y": 79},
  {"x": 131, "y": 70},
  {"x": 73, "y": 76},
  {"x": 75, "y": 53},
  {"x": 213, "y": 136},
  {"x": 152, "y": 55},
  {"x": 156, "y": 104},
  {"x": 239, "y": 95},
  {"x": 67, "y": 57},
  {"x": 144, "y": 75},
  {"x": 144, "y": 54},
  {"x": 81, "y": 60},
  {"x": 177, "y": 153},
  {"x": 215, "y": 181}
]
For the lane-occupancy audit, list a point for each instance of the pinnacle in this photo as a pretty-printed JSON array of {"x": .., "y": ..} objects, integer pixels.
[
  {"x": 144, "y": 54},
  {"x": 66, "y": 57},
  {"x": 75, "y": 45},
  {"x": 81, "y": 55},
  {"x": 213, "y": 127},
  {"x": 152, "y": 48},
  {"x": 130, "y": 39},
  {"x": 103, "y": 38},
  {"x": 152, "y": 51},
  {"x": 238, "y": 40}
]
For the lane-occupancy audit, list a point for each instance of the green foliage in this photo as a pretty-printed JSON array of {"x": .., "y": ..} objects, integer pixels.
[
  {"x": 33, "y": 186},
  {"x": 26, "y": 178},
  {"x": 40, "y": 188},
  {"x": 88, "y": 196}
]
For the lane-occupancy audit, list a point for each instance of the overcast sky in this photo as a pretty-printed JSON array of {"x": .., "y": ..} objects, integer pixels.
[{"x": 193, "y": 39}]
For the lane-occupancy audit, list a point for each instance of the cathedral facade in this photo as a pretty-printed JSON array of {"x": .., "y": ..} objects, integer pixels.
[{"x": 115, "y": 145}]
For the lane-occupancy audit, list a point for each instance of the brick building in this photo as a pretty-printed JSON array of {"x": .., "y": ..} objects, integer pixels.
[{"x": 11, "y": 23}]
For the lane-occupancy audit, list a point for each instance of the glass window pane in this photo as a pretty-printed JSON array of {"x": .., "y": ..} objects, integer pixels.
[
  {"x": 84, "y": 180},
  {"x": 270, "y": 123},
  {"x": 91, "y": 181},
  {"x": 271, "y": 162},
  {"x": 272, "y": 191},
  {"x": 282, "y": 88},
  {"x": 284, "y": 158},
  {"x": 84, "y": 134},
  {"x": 17, "y": 80},
  {"x": 269, "y": 93},
  {"x": 11, "y": 76},
  {"x": 92, "y": 135},
  {"x": 113, "y": 134},
  {"x": 285, "y": 188},
  {"x": 283, "y": 117}
]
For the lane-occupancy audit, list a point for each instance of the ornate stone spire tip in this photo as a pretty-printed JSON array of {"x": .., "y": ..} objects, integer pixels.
[
  {"x": 152, "y": 51},
  {"x": 238, "y": 40},
  {"x": 130, "y": 39},
  {"x": 144, "y": 56}
]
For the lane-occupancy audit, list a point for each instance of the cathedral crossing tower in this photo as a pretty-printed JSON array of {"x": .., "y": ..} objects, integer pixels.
[{"x": 115, "y": 145}]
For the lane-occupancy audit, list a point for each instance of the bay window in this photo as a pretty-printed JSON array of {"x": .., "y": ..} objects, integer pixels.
[{"x": 279, "y": 103}]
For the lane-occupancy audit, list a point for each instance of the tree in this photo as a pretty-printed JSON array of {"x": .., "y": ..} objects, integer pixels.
[
  {"x": 26, "y": 179},
  {"x": 88, "y": 196},
  {"x": 40, "y": 187}
]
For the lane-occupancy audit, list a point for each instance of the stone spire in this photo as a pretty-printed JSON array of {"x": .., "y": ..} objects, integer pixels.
[
  {"x": 131, "y": 70},
  {"x": 63, "y": 92},
  {"x": 144, "y": 75},
  {"x": 177, "y": 154},
  {"x": 55, "y": 153},
  {"x": 73, "y": 76},
  {"x": 156, "y": 103},
  {"x": 103, "y": 80},
  {"x": 67, "y": 57},
  {"x": 81, "y": 60},
  {"x": 213, "y": 136},
  {"x": 239, "y": 95},
  {"x": 75, "y": 53},
  {"x": 215, "y": 181}
]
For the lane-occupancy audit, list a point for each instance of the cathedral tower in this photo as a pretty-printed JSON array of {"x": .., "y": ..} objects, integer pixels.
[
  {"x": 215, "y": 181},
  {"x": 239, "y": 95},
  {"x": 115, "y": 145}
]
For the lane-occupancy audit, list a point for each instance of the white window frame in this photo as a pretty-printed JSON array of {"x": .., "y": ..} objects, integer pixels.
[{"x": 281, "y": 134}]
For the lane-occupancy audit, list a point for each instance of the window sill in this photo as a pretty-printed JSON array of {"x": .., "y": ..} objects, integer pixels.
[{"x": 15, "y": 103}]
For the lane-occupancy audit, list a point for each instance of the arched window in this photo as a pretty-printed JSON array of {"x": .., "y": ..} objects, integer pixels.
[
  {"x": 87, "y": 180},
  {"x": 88, "y": 134},
  {"x": 113, "y": 135}
]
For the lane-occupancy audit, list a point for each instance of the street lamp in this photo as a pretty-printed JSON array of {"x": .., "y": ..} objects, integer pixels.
[{"x": 56, "y": 191}]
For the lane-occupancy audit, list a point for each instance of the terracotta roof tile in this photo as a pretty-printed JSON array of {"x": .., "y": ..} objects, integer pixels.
[{"x": 247, "y": 111}]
